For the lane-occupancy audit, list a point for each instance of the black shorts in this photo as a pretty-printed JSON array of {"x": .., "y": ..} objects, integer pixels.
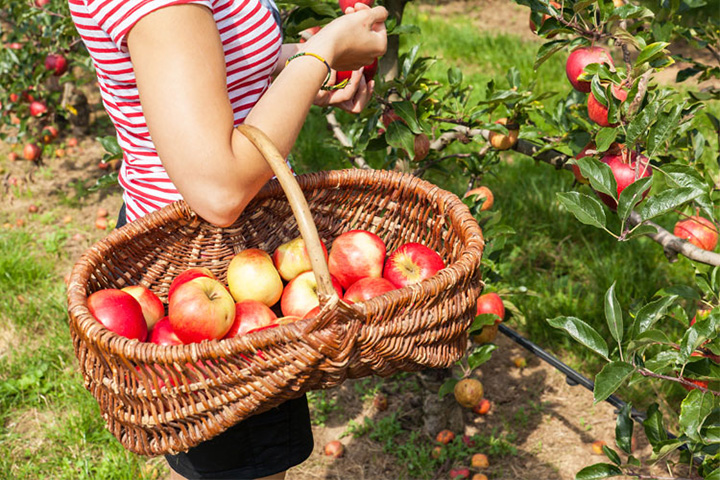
[{"x": 259, "y": 446}]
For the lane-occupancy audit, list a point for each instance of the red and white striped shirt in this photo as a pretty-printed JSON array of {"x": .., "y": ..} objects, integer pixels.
[{"x": 251, "y": 40}]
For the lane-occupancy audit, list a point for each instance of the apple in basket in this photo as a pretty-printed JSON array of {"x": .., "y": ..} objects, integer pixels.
[
  {"x": 187, "y": 275},
  {"x": 250, "y": 315},
  {"x": 300, "y": 295},
  {"x": 412, "y": 263},
  {"x": 291, "y": 258},
  {"x": 491, "y": 303},
  {"x": 356, "y": 254},
  {"x": 163, "y": 334},
  {"x": 252, "y": 275},
  {"x": 152, "y": 307},
  {"x": 119, "y": 312},
  {"x": 201, "y": 309},
  {"x": 367, "y": 288}
]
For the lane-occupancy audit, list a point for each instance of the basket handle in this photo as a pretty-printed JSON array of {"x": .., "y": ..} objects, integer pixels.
[{"x": 299, "y": 206}]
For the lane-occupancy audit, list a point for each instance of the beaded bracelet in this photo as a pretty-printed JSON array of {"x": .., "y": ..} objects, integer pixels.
[{"x": 324, "y": 86}]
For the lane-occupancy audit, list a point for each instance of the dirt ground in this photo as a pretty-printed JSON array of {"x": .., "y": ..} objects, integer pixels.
[{"x": 552, "y": 425}]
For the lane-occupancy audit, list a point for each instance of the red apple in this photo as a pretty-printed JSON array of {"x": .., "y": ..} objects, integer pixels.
[
  {"x": 152, "y": 307},
  {"x": 367, "y": 288},
  {"x": 356, "y": 254},
  {"x": 581, "y": 58},
  {"x": 700, "y": 383},
  {"x": 334, "y": 449},
  {"x": 345, "y": 4},
  {"x": 483, "y": 194},
  {"x": 252, "y": 275},
  {"x": 300, "y": 295},
  {"x": 56, "y": 63},
  {"x": 163, "y": 334},
  {"x": 12, "y": 156},
  {"x": 533, "y": 27},
  {"x": 412, "y": 263},
  {"x": 14, "y": 97},
  {"x": 37, "y": 108},
  {"x": 186, "y": 276},
  {"x": 31, "y": 152},
  {"x": 291, "y": 258},
  {"x": 201, "y": 309},
  {"x": 370, "y": 70},
  {"x": 491, "y": 303},
  {"x": 119, "y": 312},
  {"x": 575, "y": 169},
  {"x": 699, "y": 231},
  {"x": 341, "y": 76},
  {"x": 41, "y": 3},
  {"x": 250, "y": 315},
  {"x": 312, "y": 313},
  {"x": 389, "y": 116},
  {"x": 624, "y": 173},
  {"x": 598, "y": 112},
  {"x": 460, "y": 473}
]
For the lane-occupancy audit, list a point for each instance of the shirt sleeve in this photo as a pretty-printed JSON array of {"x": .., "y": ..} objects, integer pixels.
[{"x": 117, "y": 17}]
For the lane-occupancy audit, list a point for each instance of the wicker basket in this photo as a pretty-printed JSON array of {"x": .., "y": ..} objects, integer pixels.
[{"x": 165, "y": 399}]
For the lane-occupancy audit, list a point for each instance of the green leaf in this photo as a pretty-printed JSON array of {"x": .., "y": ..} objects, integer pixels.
[
  {"x": 582, "y": 332},
  {"x": 653, "y": 425},
  {"x": 587, "y": 210},
  {"x": 406, "y": 111},
  {"x": 697, "y": 334},
  {"x": 667, "y": 200},
  {"x": 110, "y": 144},
  {"x": 650, "y": 337},
  {"x": 547, "y": 50},
  {"x": 613, "y": 314},
  {"x": 650, "y": 53},
  {"x": 482, "y": 320},
  {"x": 598, "y": 471},
  {"x": 598, "y": 91},
  {"x": 714, "y": 475},
  {"x": 605, "y": 137},
  {"x": 694, "y": 410},
  {"x": 666, "y": 447},
  {"x": 660, "y": 362},
  {"x": 651, "y": 313},
  {"x": 398, "y": 135},
  {"x": 610, "y": 378},
  {"x": 631, "y": 196},
  {"x": 641, "y": 230},
  {"x": 641, "y": 122},
  {"x": 599, "y": 174},
  {"x": 624, "y": 429},
  {"x": 611, "y": 454},
  {"x": 660, "y": 132},
  {"x": 447, "y": 387},
  {"x": 481, "y": 355}
]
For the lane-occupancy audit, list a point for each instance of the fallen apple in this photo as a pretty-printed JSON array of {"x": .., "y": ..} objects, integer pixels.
[
  {"x": 468, "y": 392},
  {"x": 334, "y": 449},
  {"x": 459, "y": 473},
  {"x": 480, "y": 460},
  {"x": 483, "y": 407},
  {"x": 445, "y": 436},
  {"x": 31, "y": 152}
]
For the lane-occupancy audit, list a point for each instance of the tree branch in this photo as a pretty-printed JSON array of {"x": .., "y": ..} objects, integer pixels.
[
  {"x": 647, "y": 373},
  {"x": 334, "y": 125}
]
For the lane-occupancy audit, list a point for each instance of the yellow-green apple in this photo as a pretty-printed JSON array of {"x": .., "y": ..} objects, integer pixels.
[
  {"x": 412, "y": 263},
  {"x": 250, "y": 315},
  {"x": 486, "y": 335},
  {"x": 484, "y": 194},
  {"x": 252, "y": 275},
  {"x": 581, "y": 58},
  {"x": 152, "y": 307},
  {"x": 367, "y": 288},
  {"x": 201, "y": 309},
  {"x": 300, "y": 295},
  {"x": 500, "y": 141},
  {"x": 697, "y": 230},
  {"x": 119, "y": 312},
  {"x": 291, "y": 258},
  {"x": 491, "y": 303},
  {"x": 356, "y": 254},
  {"x": 598, "y": 112},
  {"x": 188, "y": 275},
  {"x": 56, "y": 63},
  {"x": 163, "y": 334},
  {"x": 286, "y": 319},
  {"x": 623, "y": 169}
]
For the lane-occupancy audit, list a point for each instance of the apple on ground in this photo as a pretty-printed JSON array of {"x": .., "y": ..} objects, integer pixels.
[
  {"x": 579, "y": 59},
  {"x": 12, "y": 156},
  {"x": 300, "y": 295},
  {"x": 459, "y": 473},
  {"x": 152, "y": 307},
  {"x": 412, "y": 263},
  {"x": 163, "y": 334},
  {"x": 598, "y": 112},
  {"x": 292, "y": 258},
  {"x": 468, "y": 392},
  {"x": 500, "y": 141},
  {"x": 367, "y": 288},
  {"x": 624, "y": 173},
  {"x": 356, "y": 254},
  {"x": 699, "y": 231},
  {"x": 597, "y": 447},
  {"x": 491, "y": 303},
  {"x": 480, "y": 460},
  {"x": 484, "y": 194},
  {"x": 119, "y": 312},
  {"x": 31, "y": 152},
  {"x": 201, "y": 309},
  {"x": 186, "y": 275},
  {"x": 483, "y": 407},
  {"x": 251, "y": 275},
  {"x": 334, "y": 449},
  {"x": 101, "y": 223},
  {"x": 250, "y": 315},
  {"x": 445, "y": 436},
  {"x": 49, "y": 134}
]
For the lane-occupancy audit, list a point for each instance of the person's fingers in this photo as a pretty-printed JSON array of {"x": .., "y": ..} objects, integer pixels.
[{"x": 347, "y": 93}]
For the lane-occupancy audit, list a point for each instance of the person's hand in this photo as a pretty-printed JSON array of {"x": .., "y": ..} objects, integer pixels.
[
  {"x": 353, "y": 40},
  {"x": 353, "y": 98}
]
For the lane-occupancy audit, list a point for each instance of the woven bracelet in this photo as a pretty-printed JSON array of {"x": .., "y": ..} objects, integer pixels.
[{"x": 324, "y": 86}]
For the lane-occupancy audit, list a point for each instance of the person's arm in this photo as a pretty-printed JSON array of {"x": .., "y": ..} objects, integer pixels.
[{"x": 179, "y": 65}]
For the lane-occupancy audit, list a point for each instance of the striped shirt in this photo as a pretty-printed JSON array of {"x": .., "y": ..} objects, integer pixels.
[{"x": 251, "y": 41}]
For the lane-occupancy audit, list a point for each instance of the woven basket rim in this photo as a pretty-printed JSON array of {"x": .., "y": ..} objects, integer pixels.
[{"x": 94, "y": 332}]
